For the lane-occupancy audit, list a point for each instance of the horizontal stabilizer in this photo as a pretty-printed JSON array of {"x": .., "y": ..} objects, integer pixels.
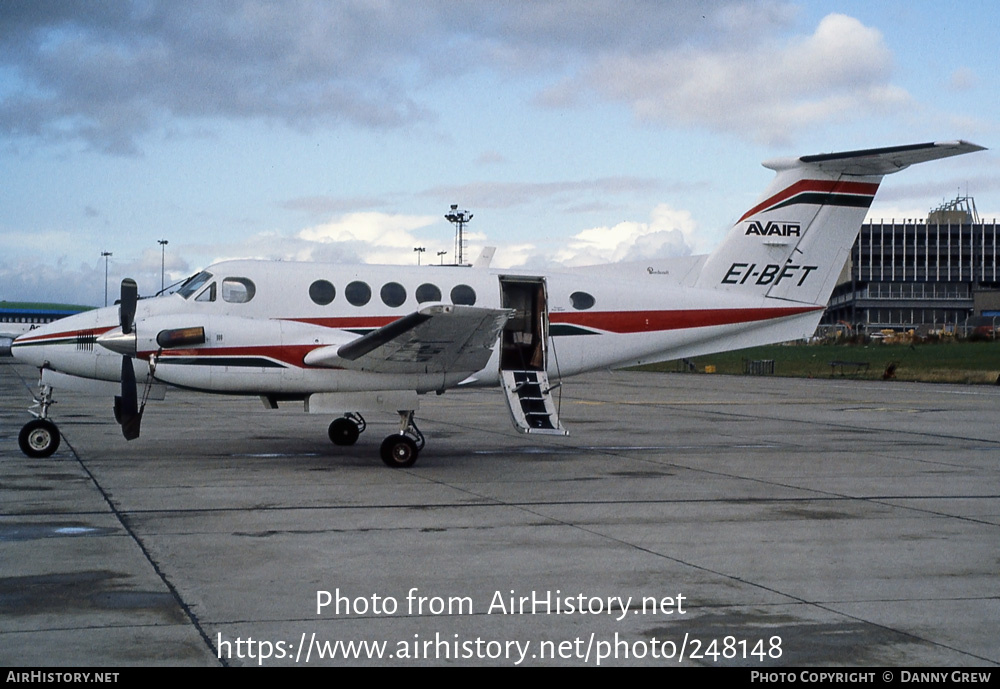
[{"x": 882, "y": 161}]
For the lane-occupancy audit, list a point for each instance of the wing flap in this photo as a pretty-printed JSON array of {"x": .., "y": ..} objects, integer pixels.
[{"x": 437, "y": 338}]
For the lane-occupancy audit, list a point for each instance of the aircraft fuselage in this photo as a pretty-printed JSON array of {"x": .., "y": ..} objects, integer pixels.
[{"x": 261, "y": 319}]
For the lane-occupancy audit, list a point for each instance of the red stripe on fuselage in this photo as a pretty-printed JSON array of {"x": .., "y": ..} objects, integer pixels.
[
  {"x": 288, "y": 354},
  {"x": 623, "y": 322},
  {"x": 348, "y": 322},
  {"x": 64, "y": 335},
  {"x": 803, "y": 185}
]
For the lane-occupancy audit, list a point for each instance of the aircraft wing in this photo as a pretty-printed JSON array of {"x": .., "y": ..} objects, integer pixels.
[{"x": 437, "y": 338}]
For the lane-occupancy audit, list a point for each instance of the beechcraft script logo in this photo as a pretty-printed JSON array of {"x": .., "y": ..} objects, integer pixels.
[{"x": 774, "y": 229}]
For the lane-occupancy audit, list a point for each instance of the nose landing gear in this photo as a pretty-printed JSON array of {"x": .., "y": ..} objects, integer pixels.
[{"x": 40, "y": 437}]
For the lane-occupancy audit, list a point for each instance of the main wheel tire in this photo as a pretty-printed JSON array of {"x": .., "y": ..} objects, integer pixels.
[
  {"x": 39, "y": 438},
  {"x": 399, "y": 451},
  {"x": 343, "y": 431}
]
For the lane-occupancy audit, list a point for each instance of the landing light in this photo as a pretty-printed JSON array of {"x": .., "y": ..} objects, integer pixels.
[{"x": 181, "y": 337}]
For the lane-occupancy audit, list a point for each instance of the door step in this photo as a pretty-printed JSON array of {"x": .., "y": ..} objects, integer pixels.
[{"x": 529, "y": 398}]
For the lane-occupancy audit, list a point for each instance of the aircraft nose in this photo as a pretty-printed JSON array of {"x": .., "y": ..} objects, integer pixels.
[
  {"x": 52, "y": 342},
  {"x": 27, "y": 349}
]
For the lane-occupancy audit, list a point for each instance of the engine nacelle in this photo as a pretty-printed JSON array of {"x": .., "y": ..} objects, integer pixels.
[{"x": 229, "y": 353}]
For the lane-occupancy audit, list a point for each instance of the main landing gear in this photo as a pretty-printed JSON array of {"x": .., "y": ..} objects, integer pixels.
[
  {"x": 346, "y": 429},
  {"x": 399, "y": 450},
  {"x": 40, "y": 437}
]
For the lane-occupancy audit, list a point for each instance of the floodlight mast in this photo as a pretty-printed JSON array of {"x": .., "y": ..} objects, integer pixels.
[
  {"x": 163, "y": 258},
  {"x": 459, "y": 219},
  {"x": 106, "y": 255}
]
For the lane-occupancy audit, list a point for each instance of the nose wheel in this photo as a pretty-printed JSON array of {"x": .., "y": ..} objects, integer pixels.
[{"x": 39, "y": 438}]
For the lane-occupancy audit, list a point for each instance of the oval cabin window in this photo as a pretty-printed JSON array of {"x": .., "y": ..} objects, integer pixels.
[
  {"x": 463, "y": 294},
  {"x": 581, "y": 300},
  {"x": 428, "y": 292},
  {"x": 322, "y": 292},
  {"x": 393, "y": 294},
  {"x": 358, "y": 293}
]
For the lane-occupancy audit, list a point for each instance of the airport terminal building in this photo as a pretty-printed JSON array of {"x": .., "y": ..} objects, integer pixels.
[{"x": 935, "y": 274}]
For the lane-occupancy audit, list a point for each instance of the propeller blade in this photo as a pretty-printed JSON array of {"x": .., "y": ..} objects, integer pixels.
[
  {"x": 129, "y": 410},
  {"x": 126, "y": 309}
]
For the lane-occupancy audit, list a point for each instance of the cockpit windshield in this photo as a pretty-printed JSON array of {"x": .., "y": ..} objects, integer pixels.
[{"x": 194, "y": 284}]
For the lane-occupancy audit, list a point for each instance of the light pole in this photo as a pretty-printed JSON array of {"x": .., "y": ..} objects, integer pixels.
[
  {"x": 441, "y": 255},
  {"x": 458, "y": 219},
  {"x": 106, "y": 255},
  {"x": 419, "y": 250},
  {"x": 163, "y": 255}
]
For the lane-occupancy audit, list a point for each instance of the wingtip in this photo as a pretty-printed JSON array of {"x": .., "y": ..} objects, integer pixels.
[{"x": 962, "y": 144}]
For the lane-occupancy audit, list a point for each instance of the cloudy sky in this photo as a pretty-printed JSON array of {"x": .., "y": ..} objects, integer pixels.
[{"x": 575, "y": 132}]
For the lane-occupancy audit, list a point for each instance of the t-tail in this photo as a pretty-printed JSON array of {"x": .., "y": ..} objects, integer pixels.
[{"x": 794, "y": 242}]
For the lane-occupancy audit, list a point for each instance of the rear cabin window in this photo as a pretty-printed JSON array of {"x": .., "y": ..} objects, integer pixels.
[
  {"x": 463, "y": 294},
  {"x": 238, "y": 290},
  {"x": 581, "y": 300}
]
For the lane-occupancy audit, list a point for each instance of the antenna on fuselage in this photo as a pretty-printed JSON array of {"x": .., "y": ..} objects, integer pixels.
[{"x": 458, "y": 219}]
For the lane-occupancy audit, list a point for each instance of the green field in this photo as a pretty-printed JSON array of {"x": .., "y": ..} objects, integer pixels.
[{"x": 949, "y": 362}]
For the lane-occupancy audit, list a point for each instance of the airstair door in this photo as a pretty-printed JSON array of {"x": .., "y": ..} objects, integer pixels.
[{"x": 524, "y": 354}]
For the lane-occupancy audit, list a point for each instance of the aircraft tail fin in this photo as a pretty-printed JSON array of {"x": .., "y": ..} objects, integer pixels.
[{"x": 794, "y": 242}]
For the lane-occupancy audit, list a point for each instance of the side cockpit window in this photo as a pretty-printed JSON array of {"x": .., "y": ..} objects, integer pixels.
[
  {"x": 208, "y": 294},
  {"x": 194, "y": 284},
  {"x": 238, "y": 290}
]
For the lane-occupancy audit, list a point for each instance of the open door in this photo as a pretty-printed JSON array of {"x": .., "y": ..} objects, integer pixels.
[{"x": 524, "y": 355}]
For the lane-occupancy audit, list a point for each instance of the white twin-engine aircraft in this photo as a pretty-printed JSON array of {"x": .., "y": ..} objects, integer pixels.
[{"x": 350, "y": 339}]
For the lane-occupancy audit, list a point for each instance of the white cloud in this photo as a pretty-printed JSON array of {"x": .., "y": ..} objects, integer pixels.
[
  {"x": 768, "y": 90},
  {"x": 509, "y": 194},
  {"x": 669, "y": 232},
  {"x": 383, "y": 238},
  {"x": 374, "y": 237},
  {"x": 378, "y": 229},
  {"x": 491, "y": 158},
  {"x": 962, "y": 79}
]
